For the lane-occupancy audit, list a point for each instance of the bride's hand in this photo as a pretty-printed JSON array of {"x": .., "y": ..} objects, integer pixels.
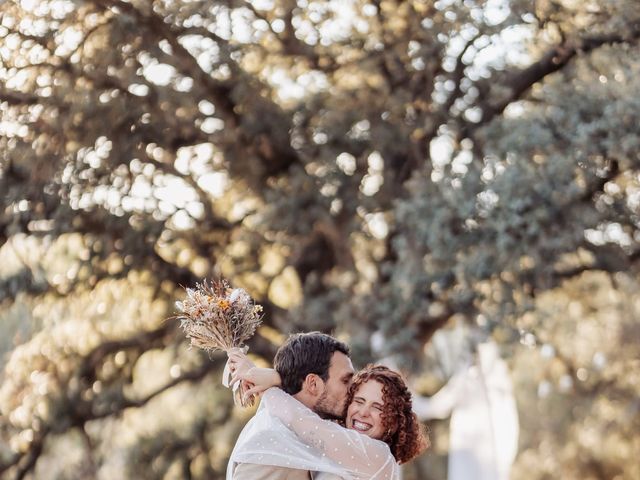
[
  {"x": 257, "y": 380},
  {"x": 239, "y": 363}
]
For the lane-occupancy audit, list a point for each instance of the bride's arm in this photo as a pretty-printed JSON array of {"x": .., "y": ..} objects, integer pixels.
[
  {"x": 254, "y": 380},
  {"x": 257, "y": 380},
  {"x": 348, "y": 448}
]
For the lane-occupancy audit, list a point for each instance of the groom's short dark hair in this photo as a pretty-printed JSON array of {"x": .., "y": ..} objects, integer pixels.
[{"x": 305, "y": 353}]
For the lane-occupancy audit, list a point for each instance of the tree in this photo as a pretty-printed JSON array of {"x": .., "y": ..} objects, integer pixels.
[{"x": 357, "y": 166}]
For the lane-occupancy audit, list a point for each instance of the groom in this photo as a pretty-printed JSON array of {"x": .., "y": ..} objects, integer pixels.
[{"x": 316, "y": 370}]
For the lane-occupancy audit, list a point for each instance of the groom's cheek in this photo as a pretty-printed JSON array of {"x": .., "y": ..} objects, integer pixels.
[{"x": 343, "y": 406}]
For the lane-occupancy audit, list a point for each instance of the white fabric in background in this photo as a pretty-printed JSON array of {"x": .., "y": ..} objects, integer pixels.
[{"x": 484, "y": 418}]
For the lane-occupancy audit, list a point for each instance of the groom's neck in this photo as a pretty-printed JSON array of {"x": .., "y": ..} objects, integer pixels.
[{"x": 306, "y": 399}]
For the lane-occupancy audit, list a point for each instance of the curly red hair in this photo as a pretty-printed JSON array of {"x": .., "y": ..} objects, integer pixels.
[{"x": 404, "y": 434}]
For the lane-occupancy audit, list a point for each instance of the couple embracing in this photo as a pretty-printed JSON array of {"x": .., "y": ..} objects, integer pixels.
[{"x": 318, "y": 419}]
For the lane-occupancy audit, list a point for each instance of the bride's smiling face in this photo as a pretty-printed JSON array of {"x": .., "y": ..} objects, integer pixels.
[{"x": 365, "y": 410}]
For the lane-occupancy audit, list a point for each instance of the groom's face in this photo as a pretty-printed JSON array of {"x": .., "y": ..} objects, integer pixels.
[{"x": 332, "y": 402}]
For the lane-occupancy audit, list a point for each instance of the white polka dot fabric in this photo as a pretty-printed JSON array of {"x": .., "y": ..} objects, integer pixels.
[{"x": 286, "y": 433}]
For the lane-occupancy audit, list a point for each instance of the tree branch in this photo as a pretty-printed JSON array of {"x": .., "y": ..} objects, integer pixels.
[
  {"x": 184, "y": 61},
  {"x": 458, "y": 75},
  {"x": 28, "y": 461},
  {"x": 520, "y": 81},
  {"x": 13, "y": 97}
]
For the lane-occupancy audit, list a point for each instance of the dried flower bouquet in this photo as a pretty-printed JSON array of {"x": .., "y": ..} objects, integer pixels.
[{"x": 215, "y": 316}]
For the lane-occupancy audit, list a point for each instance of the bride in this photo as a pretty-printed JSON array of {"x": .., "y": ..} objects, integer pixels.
[{"x": 380, "y": 430}]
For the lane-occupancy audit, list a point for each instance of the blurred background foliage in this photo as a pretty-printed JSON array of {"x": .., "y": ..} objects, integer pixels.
[{"x": 358, "y": 166}]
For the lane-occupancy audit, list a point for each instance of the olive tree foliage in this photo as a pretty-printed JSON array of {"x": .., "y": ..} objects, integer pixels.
[{"x": 356, "y": 165}]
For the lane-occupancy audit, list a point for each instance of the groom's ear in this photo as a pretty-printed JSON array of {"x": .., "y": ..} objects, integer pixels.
[{"x": 313, "y": 384}]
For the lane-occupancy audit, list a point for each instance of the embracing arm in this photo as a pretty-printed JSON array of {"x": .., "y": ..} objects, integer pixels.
[
  {"x": 347, "y": 448},
  {"x": 253, "y": 380}
]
